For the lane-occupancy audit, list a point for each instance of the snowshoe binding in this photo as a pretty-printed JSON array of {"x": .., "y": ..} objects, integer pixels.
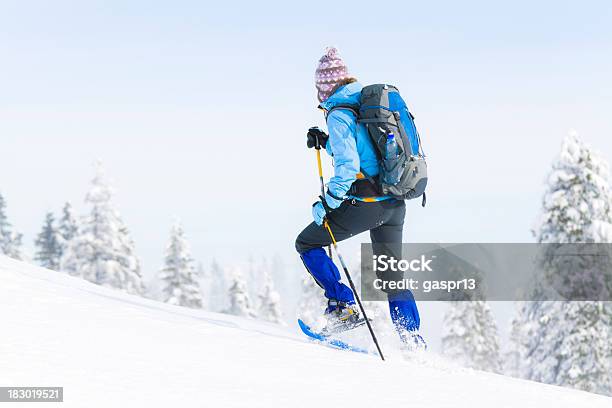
[{"x": 341, "y": 317}]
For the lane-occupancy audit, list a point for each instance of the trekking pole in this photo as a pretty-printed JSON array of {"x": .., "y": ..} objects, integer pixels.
[
  {"x": 348, "y": 277},
  {"x": 335, "y": 244},
  {"x": 318, "y": 149}
]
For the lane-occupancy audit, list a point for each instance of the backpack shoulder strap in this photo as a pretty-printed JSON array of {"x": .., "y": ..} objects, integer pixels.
[{"x": 352, "y": 108}]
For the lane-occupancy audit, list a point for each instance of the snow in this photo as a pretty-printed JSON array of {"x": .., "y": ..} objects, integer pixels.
[{"x": 111, "y": 349}]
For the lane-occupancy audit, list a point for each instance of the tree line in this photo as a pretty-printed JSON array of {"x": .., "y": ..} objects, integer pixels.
[{"x": 98, "y": 247}]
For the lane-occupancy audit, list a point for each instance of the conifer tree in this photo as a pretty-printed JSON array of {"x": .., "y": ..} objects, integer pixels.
[
  {"x": 512, "y": 357},
  {"x": 10, "y": 241},
  {"x": 216, "y": 282},
  {"x": 240, "y": 303},
  {"x": 565, "y": 342},
  {"x": 68, "y": 227},
  {"x": 102, "y": 251},
  {"x": 178, "y": 276},
  {"x": 470, "y": 336},
  {"x": 48, "y": 247},
  {"x": 269, "y": 300}
]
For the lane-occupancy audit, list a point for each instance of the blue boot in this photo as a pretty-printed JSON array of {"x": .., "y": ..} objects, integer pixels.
[{"x": 406, "y": 320}]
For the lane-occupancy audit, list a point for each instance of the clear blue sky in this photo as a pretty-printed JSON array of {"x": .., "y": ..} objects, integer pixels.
[{"x": 199, "y": 109}]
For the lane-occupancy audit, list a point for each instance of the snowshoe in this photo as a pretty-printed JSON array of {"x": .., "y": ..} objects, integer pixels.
[
  {"x": 341, "y": 317},
  {"x": 328, "y": 341}
]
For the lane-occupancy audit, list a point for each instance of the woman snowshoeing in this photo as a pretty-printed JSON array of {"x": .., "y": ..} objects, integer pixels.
[{"x": 351, "y": 203}]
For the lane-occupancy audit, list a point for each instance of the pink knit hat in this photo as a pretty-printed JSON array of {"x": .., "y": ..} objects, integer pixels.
[{"x": 331, "y": 71}]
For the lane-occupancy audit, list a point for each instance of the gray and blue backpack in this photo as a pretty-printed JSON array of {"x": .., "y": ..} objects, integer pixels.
[{"x": 385, "y": 115}]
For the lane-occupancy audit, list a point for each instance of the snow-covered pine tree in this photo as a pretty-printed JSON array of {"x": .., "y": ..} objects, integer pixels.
[
  {"x": 576, "y": 204},
  {"x": 584, "y": 349},
  {"x": 470, "y": 336},
  {"x": 564, "y": 342},
  {"x": 48, "y": 247},
  {"x": 178, "y": 276},
  {"x": 200, "y": 270},
  {"x": 240, "y": 303},
  {"x": 102, "y": 251},
  {"x": 68, "y": 227},
  {"x": 203, "y": 278},
  {"x": 217, "y": 285},
  {"x": 10, "y": 241},
  {"x": 269, "y": 300},
  {"x": 608, "y": 316},
  {"x": 511, "y": 361},
  {"x": 131, "y": 281}
]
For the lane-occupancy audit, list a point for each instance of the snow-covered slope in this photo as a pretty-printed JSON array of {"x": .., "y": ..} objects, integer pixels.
[{"x": 108, "y": 349}]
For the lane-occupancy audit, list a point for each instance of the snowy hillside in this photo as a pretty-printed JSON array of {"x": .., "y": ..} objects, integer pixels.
[{"x": 108, "y": 349}]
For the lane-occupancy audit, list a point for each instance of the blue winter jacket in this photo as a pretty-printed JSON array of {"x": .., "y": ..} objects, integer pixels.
[{"x": 349, "y": 142}]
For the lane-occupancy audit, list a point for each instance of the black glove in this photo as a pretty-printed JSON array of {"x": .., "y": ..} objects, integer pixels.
[{"x": 316, "y": 138}]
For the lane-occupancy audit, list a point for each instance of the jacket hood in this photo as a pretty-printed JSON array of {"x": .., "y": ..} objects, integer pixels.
[{"x": 349, "y": 94}]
